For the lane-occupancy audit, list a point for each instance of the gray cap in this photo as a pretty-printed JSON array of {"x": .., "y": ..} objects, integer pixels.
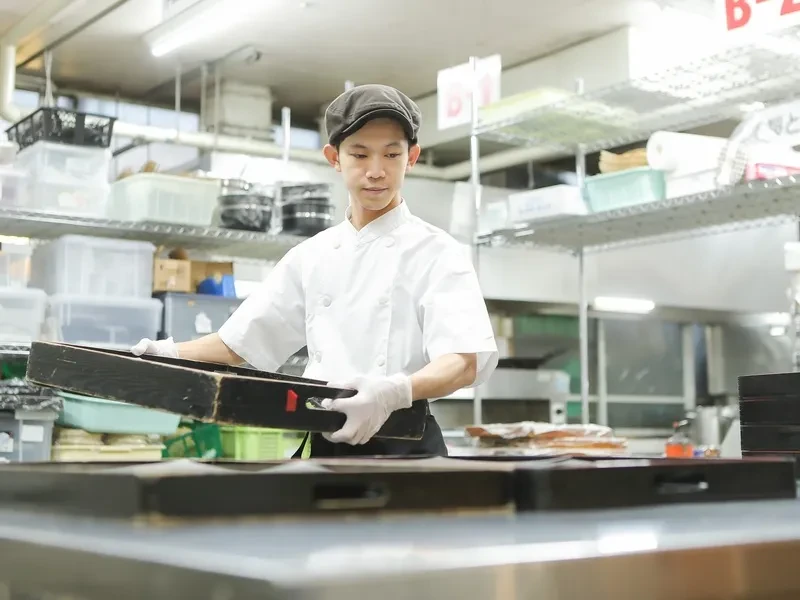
[{"x": 353, "y": 109}]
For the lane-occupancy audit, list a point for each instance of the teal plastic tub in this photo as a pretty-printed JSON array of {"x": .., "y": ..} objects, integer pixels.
[
  {"x": 107, "y": 416},
  {"x": 626, "y": 188}
]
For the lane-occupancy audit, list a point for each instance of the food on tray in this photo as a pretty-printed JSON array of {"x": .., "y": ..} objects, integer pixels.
[{"x": 546, "y": 436}]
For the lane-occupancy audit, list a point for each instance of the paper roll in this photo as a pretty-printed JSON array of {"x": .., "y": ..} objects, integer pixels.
[{"x": 684, "y": 153}]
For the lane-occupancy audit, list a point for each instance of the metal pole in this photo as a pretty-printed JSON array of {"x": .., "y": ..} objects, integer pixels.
[
  {"x": 203, "y": 92},
  {"x": 217, "y": 94},
  {"x": 475, "y": 179},
  {"x": 286, "y": 125},
  {"x": 583, "y": 307},
  {"x": 178, "y": 76},
  {"x": 602, "y": 379},
  {"x": 688, "y": 367}
]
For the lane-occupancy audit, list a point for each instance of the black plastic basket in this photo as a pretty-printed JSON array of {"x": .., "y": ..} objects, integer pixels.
[{"x": 63, "y": 127}]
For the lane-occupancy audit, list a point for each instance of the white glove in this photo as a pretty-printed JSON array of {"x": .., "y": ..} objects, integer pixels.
[
  {"x": 166, "y": 348},
  {"x": 367, "y": 411}
]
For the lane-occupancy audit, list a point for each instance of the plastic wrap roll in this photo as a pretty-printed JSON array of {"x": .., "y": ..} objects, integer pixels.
[{"x": 684, "y": 153}]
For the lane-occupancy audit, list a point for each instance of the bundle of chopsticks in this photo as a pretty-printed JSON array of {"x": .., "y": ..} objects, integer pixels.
[{"x": 612, "y": 163}]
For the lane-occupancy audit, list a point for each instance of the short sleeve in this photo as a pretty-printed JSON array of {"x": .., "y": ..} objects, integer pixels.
[
  {"x": 454, "y": 315},
  {"x": 269, "y": 326}
]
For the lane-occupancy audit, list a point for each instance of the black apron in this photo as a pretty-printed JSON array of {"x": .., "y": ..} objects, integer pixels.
[{"x": 431, "y": 444}]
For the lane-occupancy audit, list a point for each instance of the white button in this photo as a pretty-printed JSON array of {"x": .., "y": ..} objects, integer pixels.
[
  {"x": 384, "y": 300},
  {"x": 318, "y": 356},
  {"x": 389, "y": 242},
  {"x": 381, "y": 361},
  {"x": 336, "y": 244},
  {"x": 326, "y": 301}
]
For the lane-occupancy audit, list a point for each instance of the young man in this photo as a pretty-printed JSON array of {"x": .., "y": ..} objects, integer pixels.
[{"x": 387, "y": 304}]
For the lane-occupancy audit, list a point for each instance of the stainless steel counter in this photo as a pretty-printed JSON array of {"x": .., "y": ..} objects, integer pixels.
[{"x": 731, "y": 551}]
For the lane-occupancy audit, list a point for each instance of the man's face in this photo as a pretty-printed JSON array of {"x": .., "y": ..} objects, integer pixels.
[{"x": 374, "y": 162}]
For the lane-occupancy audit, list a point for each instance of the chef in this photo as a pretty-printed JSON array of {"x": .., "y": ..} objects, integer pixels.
[{"x": 386, "y": 303}]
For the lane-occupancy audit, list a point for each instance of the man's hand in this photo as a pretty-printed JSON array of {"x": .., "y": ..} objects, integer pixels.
[
  {"x": 367, "y": 411},
  {"x": 166, "y": 348}
]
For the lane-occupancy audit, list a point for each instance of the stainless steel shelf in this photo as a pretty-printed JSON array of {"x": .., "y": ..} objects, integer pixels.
[
  {"x": 14, "y": 349},
  {"x": 686, "y": 96},
  {"x": 757, "y": 203},
  {"x": 228, "y": 242}
]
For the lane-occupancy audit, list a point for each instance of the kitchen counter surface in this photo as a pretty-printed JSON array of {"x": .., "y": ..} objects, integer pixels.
[{"x": 732, "y": 550}]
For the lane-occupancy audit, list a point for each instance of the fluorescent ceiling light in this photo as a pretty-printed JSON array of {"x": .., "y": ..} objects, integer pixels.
[
  {"x": 624, "y": 305},
  {"x": 200, "y": 22},
  {"x": 777, "y": 331}
]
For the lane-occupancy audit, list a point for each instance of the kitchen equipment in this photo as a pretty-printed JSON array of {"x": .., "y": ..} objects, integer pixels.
[
  {"x": 64, "y": 127},
  {"x": 306, "y": 209},
  {"x": 245, "y": 206},
  {"x": 207, "y": 392}
]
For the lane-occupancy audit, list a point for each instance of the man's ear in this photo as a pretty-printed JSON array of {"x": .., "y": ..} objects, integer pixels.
[
  {"x": 332, "y": 156},
  {"x": 413, "y": 155}
]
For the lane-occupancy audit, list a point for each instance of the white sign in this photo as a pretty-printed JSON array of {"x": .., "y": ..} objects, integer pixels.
[
  {"x": 755, "y": 17},
  {"x": 454, "y": 90}
]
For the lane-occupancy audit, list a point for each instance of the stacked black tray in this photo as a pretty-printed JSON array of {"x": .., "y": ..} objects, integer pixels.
[{"x": 769, "y": 411}]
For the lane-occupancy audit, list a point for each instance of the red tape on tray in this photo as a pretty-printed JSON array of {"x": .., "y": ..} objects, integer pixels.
[{"x": 291, "y": 401}]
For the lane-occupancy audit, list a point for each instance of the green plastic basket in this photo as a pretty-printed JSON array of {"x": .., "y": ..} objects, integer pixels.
[
  {"x": 204, "y": 441},
  {"x": 253, "y": 443}
]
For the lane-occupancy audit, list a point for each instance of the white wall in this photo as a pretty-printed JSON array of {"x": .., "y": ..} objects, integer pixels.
[{"x": 600, "y": 62}]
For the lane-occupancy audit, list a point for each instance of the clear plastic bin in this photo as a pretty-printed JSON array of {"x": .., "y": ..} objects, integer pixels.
[
  {"x": 15, "y": 265},
  {"x": 69, "y": 199},
  {"x": 66, "y": 164},
  {"x": 14, "y": 188},
  {"x": 164, "y": 198},
  {"x": 81, "y": 265},
  {"x": 547, "y": 202},
  {"x": 26, "y": 436},
  {"x": 625, "y": 188},
  {"x": 22, "y": 313},
  {"x": 117, "y": 323}
]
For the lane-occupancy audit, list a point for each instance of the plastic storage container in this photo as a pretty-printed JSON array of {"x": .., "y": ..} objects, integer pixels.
[
  {"x": 64, "y": 198},
  {"x": 15, "y": 265},
  {"x": 65, "y": 164},
  {"x": 22, "y": 313},
  {"x": 252, "y": 443},
  {"x": 81, "y": 265},
  {"x": 164, "y": 198},
  {"x": 543, "y": 203},
  {"x": 191, "y": 316},
  {"x": 625, "y": 188},
  {"x": 102, "y": 321},
  {"x": 26, "y": 436},
  {"x": 14, "y": 188},
  {"x": 98, "y": 415}
]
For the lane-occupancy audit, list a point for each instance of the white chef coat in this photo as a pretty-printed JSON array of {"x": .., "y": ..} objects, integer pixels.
[{"x": 387, "y": 299}]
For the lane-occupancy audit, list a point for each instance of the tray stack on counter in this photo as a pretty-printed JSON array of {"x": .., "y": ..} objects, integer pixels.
[{"x": 769, "y": 413}]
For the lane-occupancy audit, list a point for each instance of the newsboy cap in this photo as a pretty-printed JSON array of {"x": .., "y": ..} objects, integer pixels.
[{"x": 358, "y": 105}]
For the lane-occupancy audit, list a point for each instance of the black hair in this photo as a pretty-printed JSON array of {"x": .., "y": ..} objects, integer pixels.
[{"x": 337, "y": 142}]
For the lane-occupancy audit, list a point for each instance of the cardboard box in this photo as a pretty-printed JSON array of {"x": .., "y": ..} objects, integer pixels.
[
  {"x": 202, "y": 269},
  {"x": 172, "y": 275}
]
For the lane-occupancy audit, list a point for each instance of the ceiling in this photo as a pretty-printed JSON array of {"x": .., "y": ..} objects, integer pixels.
[{"x": 309, "y": 49}]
